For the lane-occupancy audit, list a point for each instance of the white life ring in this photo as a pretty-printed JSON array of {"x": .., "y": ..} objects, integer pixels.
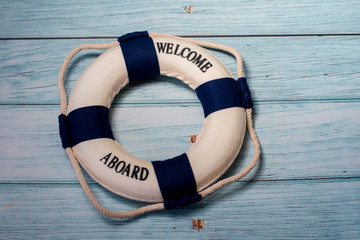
[{"x": 177, "y": 179}]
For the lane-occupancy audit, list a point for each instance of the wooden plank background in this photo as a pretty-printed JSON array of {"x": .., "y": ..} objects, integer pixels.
[{"x": 302, "y": 60}]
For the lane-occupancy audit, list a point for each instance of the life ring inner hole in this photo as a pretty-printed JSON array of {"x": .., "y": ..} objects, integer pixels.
[{"x": 153, "y": 127}]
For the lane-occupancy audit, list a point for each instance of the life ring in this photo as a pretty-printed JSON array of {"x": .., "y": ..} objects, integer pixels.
[{"x": 179, "y": 179}]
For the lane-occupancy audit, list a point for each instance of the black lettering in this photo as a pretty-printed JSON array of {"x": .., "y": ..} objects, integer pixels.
[
  {"x": 198, "y": 61},
  {"x": 126, "y": 170},
  {"x": 139, "y": 173},
  {"x": 122, "y": 164},
  {"x": 106, "y": 158},
  {"x": 206, "y": 67},
  {"x": 169, "y": 48},
  {"x": 135, "y": 172},
  {"x": 144, "y": 173},
  {"x": 183, "y": 50},
  {"x": 191, "y": 58},
  {"x": 176, "y": 49},
  {"x": 161, "y": 47},
  {"x": 113, "y": 162}
]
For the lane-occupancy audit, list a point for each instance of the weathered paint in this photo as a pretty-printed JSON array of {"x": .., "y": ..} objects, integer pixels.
[{"x": 307, "y": 114}]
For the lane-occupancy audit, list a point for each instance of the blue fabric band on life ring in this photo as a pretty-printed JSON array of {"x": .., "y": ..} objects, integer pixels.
[
  {"x": 245, "y": 93},
  {"x": 64, "y": 131},
  {"x": 140, "y": 56},
  {"x": 84, "y": 124},
  {"x": 223, "y": 93},
  {"x": 132, "y": 35},
  {"x": 176, "y": 181}
]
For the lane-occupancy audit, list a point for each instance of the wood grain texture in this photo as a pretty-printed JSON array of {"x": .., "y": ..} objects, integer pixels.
[
  {"x": 105, "y": 18},
  {"x": 321, "y": 209},
  {"x": 307, "y": 114},
  {"x": 278, "y": 69},
  {"x": 306, "y": 140}
]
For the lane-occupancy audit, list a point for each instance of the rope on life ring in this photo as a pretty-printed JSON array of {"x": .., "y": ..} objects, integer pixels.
[{"x": 246, "y": 101}]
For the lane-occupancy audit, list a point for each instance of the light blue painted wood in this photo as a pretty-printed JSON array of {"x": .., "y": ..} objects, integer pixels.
[
  {"x": 109, "y": 18},
  {"x": 303, "y": 140},
  {"x": 278, "y": 69},
  {"x": 307, "y": 114},
  {"x": 321, "y": 209}
]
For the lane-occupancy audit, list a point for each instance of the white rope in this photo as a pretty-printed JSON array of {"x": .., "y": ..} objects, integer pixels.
[{"x": 157, "y": 206}]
